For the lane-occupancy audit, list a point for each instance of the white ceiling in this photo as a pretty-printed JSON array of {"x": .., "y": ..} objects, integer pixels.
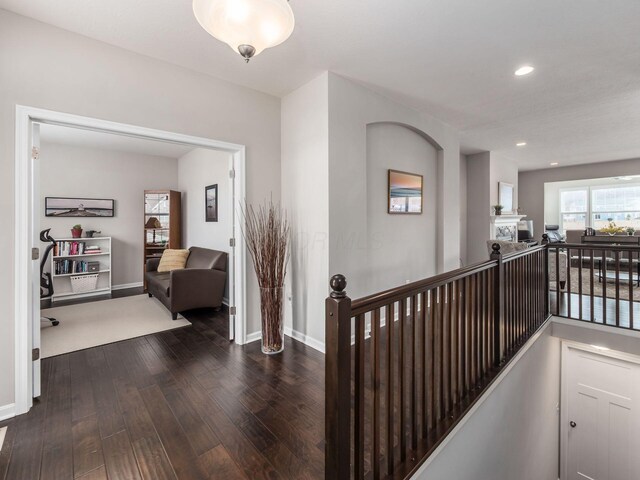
[
  {"x": 77, "y": 137},
  {"x": 451, "y": 58}
]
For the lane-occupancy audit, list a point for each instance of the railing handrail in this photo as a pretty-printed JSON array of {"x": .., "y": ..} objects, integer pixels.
[
  {"x": 364, "y": 304},
  {"x": 595, "y": 246}
]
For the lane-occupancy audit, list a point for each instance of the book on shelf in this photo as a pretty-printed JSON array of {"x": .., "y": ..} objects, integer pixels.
[{"x": 69, "y": 248}]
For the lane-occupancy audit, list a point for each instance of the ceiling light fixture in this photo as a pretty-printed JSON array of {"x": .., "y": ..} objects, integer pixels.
[
  {"x": 524, "y": 70},
  {"x": 521, "y": 144},
  {"x": 247, "y": 26},
  {"x": 553, "y": 164}
]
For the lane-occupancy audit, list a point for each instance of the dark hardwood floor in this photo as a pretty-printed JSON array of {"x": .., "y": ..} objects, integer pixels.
[
  {"x": 620, "y": 313},
  {"x": 184, "y": 404}
]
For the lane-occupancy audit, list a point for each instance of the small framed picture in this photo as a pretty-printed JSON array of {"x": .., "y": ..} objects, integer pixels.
[
  {"x": 211, "y": 203},
  {"x": 78, "y": 207},
  {"x": 405, "y": 193},
  {"x": 506, "y": 196}
]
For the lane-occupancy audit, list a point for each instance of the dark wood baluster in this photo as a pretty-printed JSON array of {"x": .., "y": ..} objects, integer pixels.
[
  {"x": 591, "y": 289},
  {"x": 603, "y": 274},
  {"x": 442, "y": 310},
  {"x": 455, "y": 342},
  {"x": 414, "y": 373},
  {"x": 446, "y": 343},
  {"x": 558, "y": 293},
  {"x": 423, "y": 356},
  {"x": 617, "y": 264},
  {"x": 391, "y": 349},
  {"x": 464, "y": 347},
  {"x": 402, "y": 316},
  {"x": 579, "y": 282},
  {"x": 568, "y": 285},
  {"x": 474, "y": 331},
  {"x": 484, "y": 320},
  {"x": 631, "y": 280},
  {"x": 359, "y": 399},
  {"x": 375, "y": 384},
  {"x": 432, "y": 342}
]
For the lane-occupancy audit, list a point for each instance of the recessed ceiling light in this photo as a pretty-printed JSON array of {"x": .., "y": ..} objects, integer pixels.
[
  {"x": 553, "y": 164},
  {"x": 521, "y": 144},
  {"x": 524, "y": 70}
]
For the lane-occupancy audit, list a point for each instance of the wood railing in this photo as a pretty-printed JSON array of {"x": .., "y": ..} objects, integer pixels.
[
  {"x": 597, "y": 283},
  {"x": 404, "y": 366}
]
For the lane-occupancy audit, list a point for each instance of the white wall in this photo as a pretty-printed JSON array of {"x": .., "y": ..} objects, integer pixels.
[
  {"x": 514, "y": 432},
  {"x": 305, "y": 190},
  {"x": 531, "y": 184},
  {"x": 478, "y": 206},
  {"x": 47, "y": 67},
  {"x": 196, "y": 170},
  {"x": 351, "y": 108},
  {"x": 463, "y": 210},
  {"x": 72, "y": 171},
  {"x": 401, "y": 248},
  {"x": 485, "y": 171}
]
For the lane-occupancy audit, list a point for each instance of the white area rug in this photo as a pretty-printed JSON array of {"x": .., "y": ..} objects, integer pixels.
[
  {"x": 3, "y": 432},
  {"x": 97, "y": 323}
]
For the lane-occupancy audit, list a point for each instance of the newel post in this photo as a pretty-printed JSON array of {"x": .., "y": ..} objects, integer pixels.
[
  {"x": 545, "y": 242},
  {"x": 498, "y": 305},
  {"x": 337, "y": 381}
]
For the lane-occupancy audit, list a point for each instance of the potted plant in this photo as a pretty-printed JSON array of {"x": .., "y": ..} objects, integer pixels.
[
  {"x": 498, "y": 209},
  {"x": 631, "y": 231},
  {"x": 76, "y": 231},
  {"x": 266, "y": 231},
  {"x": 612, "y": 229}
]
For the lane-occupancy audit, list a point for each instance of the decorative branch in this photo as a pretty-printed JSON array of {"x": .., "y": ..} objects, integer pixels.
[{"x": 266, "y": 231}]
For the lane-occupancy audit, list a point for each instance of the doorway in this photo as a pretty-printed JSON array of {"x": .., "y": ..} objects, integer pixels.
[
  {"x": 600, "y": 420},
  {"x": 27, "y": 214}
]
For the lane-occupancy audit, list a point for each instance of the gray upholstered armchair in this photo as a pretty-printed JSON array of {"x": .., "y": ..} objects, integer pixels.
[{"x": 200, "y": 284}]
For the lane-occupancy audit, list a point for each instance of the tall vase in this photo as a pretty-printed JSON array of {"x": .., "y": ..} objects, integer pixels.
[{"x": 271, "y": 300}]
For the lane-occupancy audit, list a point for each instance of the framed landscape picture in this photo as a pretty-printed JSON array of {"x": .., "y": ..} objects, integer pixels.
[
  {"x": 211, "y": 203},
  {"x": 405, "y": 192},
  {"x": 78, "y": 207}
]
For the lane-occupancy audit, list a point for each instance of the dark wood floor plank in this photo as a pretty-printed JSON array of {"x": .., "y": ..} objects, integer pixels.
[
  {"x": 152, "y": 459},
  {"x": 82, "y": 401},
  {"x": 87, "y": 446},
  {"x": 57, "y": 457},
  {"x": 183, "y": 404},
  {"x": 99, "y": 473},
  {"x": 110, "y": 419},
  {"x": 219, "y": 465},
  {"x": 119, "y": 458},
  {"x": 174, "y": 439}
]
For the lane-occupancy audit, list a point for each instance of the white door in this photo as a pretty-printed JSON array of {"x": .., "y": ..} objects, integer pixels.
[
  {"x": 35, "y": 264},
  {"x": 601, "y": 416}
]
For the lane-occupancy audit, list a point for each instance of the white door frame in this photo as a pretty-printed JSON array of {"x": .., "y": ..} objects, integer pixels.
[
  {"x": 27, "y": 304},
  {"x": 568, "y": 345}
]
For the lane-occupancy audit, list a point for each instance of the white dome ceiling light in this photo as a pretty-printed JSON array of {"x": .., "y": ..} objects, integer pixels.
[
  {"x": 524, "y": 70},
  {"x": 247, "y": 26}
]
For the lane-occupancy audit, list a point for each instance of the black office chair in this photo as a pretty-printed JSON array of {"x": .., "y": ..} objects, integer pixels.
[{"x": 46, "y": 282}]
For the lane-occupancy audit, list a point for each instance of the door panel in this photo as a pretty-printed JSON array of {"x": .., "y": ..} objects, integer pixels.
[
  {"x": 35, "y": 243},
  {"x": 602, "y": 417}
]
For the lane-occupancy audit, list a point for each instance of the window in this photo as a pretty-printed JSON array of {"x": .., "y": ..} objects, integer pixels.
[
  {"x": 615, "y": 204},
  {"x": 573, "y": 209},
  {"x": 597, "y": 206}
]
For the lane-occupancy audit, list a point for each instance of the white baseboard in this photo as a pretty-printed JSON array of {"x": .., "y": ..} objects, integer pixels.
[
  {"x": 126, "y": 285},
  {"x": 3, "y": 432},
  {"x": 7, "y": 411},
  {"x": 289, "y": 332},
  {"x": 306, "y": 339},
  {"x": 253, "y": 337}
]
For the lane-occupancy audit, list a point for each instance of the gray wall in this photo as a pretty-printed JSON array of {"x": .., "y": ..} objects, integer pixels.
[
  {"x": 196, "y": 170},
  {"x": 463, "y": 210},
  {"x": 531, "y": 184},
  {"x": 72, "y": 171},
  {"x": 514, "y": 432},
  {"x": 401, "y": 248},
  {"x": 47, "y": 67}
]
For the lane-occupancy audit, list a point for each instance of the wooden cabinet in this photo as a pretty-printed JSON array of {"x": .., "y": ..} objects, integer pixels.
[{"x": 162, "y": 222}]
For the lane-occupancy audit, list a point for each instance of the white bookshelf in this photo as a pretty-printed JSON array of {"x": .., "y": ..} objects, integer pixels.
[{"x": 62, "y": 281}]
